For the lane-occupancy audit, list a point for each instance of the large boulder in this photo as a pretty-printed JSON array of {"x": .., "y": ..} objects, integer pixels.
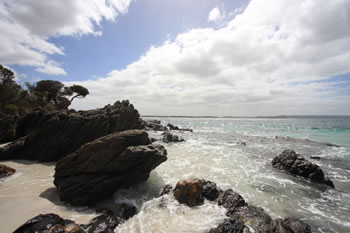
[
  {"x": 50, "y": 136},
  {"x": 189, "y": 192},
  {"x": 99, "y": 168},
  {"x": 6, "y": 171},
  {"x": 292, "y": 163}
]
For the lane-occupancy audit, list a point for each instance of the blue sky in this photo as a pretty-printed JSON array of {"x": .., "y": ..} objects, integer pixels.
[{"x": 199, "y": 57}]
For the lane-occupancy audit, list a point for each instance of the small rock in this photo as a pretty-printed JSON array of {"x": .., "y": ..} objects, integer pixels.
[
  {"x": 168, "y": 137},
  {"x": 210, "y": 190},
  {"x": 6, "y": 171},
  {"x": 189, "y": 192},
  {"x": 289, "y": 225},
  {"x": 315, "y": 157},
  {"x": 173, "y": 127}
]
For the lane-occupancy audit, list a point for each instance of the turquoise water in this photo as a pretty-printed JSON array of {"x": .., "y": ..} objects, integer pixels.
[{"x": 237, "y": 152}]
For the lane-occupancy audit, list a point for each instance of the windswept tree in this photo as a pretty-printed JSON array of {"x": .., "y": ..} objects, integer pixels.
[
  {"x": 50, "y": 90},
  {"x": 78, "y": 92}
]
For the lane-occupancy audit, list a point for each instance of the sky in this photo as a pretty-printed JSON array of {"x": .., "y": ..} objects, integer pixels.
[{"x": 187, "y": 57}]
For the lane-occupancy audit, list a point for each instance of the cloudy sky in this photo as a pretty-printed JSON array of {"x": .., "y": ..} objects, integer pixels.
[{"x": 187, "y": 57}]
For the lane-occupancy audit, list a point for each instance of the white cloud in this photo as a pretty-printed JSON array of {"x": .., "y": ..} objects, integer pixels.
[
  {"x": 28, "y": 24},
  {"x": 215, "y": 15},
  {"x": 271, "y": 59}
]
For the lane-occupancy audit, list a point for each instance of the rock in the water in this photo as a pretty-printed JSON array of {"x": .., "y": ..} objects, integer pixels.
[
  {"x": 254, "y": 217},
  {"x": 168, "y": 137},
  {"x": 155, "y": 125},
  {"x": 47, "y": 223},
  {"x": 295, "y": 164},
  {"x": 166, "y": 190},
  {"x": 231, "y": 201},
  {"x": 99, "y": 168},
  {"x": 104, "y": 223},
  {"x": 230, "y": 225},
  {"x": 315, "y": 157},
  {"x": 6, "y": 171},
  {"x": 52, "y": 135},
  {"x": 210, "y": 190},
  {"x": 189, "y": 192},
  {"x": 289, "y": 225},
  {"x": 174, "y": 127}
]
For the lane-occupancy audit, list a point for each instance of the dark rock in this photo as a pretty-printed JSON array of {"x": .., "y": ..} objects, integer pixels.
[
  {"x": 127, "y": 211},
  {"x": 254, "y": 217},
  {"x": 189, "y": 192},
  {"x": 13, "y": 150},
  {"x": 168, "y": 137},
  {"x": 166, "y": 190},
  {"x": 124, "y": 210},
  {"x": 47, "y": 223},
  {"x": 51, "y": 136},
  {"x": 155, "y": 125},
  {"x": 289, "y": 225},
  {"x": 8, "y": 125},
  {"x": 292, "y": 163},
  {"x": 231, "y": 201},
  {"x": 104, "y": 223},
  {"x": 99, "y": 168},
  {"x": 242, "y": 143},
  {"x": 6, "y": 171},
  {"x": 231, "y": 225},
  {"x": 315, "y": 157},
  {"x": 210, "y": 190},
  {"x": 173, "y": 127}
]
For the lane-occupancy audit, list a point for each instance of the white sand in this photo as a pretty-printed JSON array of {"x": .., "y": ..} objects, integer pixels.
[{"x": 30, "y": 192}]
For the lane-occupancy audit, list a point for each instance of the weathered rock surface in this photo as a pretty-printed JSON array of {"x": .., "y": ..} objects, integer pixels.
[
  {"x": 6, "y": 171},
  {"x": 292, "y": 163},
  {"x": 231, "y": 201},
  {"x": 168, "y": 137},
  {"x": 230, "y": 225},
  {"x": 99, "y": 168},
  {"x": 289, "y": 225},
  {"x": 8, "y": 125},
  {"x": 52, "y": 136},
  {"x": 45, "y": 223},
  {"x": 104, "y": 223},
  {"x": 189, "y": 192}
]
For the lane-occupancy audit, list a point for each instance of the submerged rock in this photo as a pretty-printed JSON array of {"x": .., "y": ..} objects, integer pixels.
[
  {"x": 174, "y": 127},
  {"x": 99, "y": 168},
  {"x": 45, "y": 223},
  {"x": 291, "y": 162},
  {"x": 166, "y": 190},
  {"x": 189, "y": 192},
  {"x": 155, "y": 125},
  {"x": 6, "y": 171},
  {"x": 104, "y": 223},
  {"x": 50, "y": 136},
  {"x": 168, "y": 137}
]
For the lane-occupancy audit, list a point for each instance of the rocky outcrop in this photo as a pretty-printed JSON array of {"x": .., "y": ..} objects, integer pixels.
[
  {"x": 52, "y": 223},
  {"x": 6, "y": 171},
  {"x": 169, "y": 137},
  {"x": 174, "y": 127},
  {"x": 99, "y": 168},
  {"x": 242, "y": 217},
  {"x": 8, "y": 125},
  {"x": 189, "y": 192},
  {"x": 292, "y": 163},
  {"x": 52, "y": 136},
  {"x": 49, "y": 223}
]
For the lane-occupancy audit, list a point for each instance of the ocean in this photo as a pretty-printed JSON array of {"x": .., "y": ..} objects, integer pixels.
[{"x": 234, "y": 153}]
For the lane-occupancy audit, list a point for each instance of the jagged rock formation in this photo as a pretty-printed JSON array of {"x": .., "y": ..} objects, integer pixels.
[
  {"x": 99, "y": 168},
  {"x": 292, "y": 163},
  {"x": 6, "y": 171},
  {"x": 51, "y": 136}
]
